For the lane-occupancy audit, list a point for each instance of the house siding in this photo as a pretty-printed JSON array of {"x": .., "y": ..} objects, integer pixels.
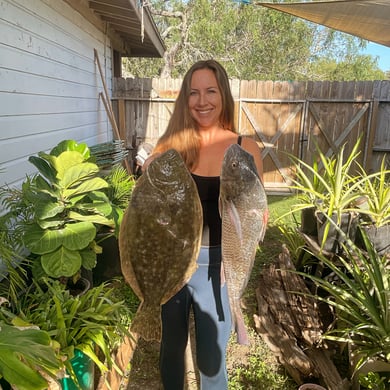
[{"x": 49, "y": 82}]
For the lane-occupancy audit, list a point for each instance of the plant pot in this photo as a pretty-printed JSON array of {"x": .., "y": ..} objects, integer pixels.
[
  {"x": 311, "y": 386},
  {"x": 372, "y": 365},
  {"x": 348, "y": 225},
  {"x": 379, "y": 237},
  {"x": 108, "y": 264},
  {"x": 80, "y": 287},
  {"x": 309, "y": 221},
  {"x": 83, "y": 367}
]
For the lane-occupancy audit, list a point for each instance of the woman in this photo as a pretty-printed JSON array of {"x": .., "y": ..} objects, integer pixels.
[{"x": 201, "y": 128}]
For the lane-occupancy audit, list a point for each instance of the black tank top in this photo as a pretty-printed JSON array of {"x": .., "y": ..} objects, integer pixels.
[{"x": 208, "y": 189}]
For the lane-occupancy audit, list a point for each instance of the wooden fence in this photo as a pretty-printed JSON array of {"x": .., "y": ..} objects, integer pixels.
[{"x": 284, "y": 117}]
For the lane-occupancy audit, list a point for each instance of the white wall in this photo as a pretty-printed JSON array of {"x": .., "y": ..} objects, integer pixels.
[{"x": 49, "y": 82}]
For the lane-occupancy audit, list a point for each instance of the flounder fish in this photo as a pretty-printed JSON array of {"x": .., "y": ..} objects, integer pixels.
[
  {"x": 159, "y": 239},
  {"x": 244, "y": 213}
]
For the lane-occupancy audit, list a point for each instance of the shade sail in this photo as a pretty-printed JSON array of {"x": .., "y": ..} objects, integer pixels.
[{"x": 367, "y": 19}]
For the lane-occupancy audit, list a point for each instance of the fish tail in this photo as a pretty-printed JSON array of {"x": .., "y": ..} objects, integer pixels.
[
  {"x": 147, "y": 323},
  {"x": 239, "y": 326}
]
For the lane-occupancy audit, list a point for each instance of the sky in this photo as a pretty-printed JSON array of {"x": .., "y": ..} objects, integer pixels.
[{"x": 382, "y": 52}]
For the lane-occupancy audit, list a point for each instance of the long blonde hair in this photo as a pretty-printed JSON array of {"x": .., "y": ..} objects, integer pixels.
[{"x": 182, "y": 131}]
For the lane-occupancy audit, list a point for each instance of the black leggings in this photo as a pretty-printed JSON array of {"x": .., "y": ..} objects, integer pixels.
[{"x": 210, "y": 304}]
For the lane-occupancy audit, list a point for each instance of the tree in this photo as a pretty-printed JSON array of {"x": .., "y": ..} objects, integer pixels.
[{"x": 252, "y": 42}]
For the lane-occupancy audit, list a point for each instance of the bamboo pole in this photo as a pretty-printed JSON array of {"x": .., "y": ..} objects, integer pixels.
[{"x": 108, "y": 107}]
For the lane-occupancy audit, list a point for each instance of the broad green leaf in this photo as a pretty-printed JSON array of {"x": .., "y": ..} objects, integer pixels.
[
  {"x": 62, "y": 262},
  {"x": 18, "y": 373},
  {"x": 48, "y": 209},
  {"x": 88, "y": 258},
  {"x": 86, "y": 186},
  {"x": 41, "y": 241},
  {"x": 35, "y": 348},
  {"x": 43, "y": 167},
  {"x": 66, "y": 161},
  {"x": 43, "y": 186},
  {"x": 71, "y": 145},
  {"x": 53, "y": 223},
  {"x": 95, "y": 218},
  {"x": 77, "y": 236}
]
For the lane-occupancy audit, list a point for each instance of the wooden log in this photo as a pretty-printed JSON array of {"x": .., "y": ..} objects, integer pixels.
[
  {"x": 122, "y": 357},
  {"x": 290, "y": 324}
]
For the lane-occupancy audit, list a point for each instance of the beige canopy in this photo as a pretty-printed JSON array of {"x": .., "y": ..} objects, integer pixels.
[{"x": 367, "y": 19}]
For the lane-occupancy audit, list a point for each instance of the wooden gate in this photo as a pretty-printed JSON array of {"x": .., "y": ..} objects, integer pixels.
[{"x": 299, "y": 119}]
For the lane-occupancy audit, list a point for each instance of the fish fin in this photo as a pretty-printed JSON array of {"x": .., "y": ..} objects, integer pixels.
[
  {"x": 264, "y": 217},
  {"x": 234, "y": 218},
  {"x": 240, "y": 327},
  {"x": 147, "y": 322},
  {"x": 264, "y": 225}
]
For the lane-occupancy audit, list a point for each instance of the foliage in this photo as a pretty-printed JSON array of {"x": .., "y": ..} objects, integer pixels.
[
  {"x": 92, "y": 322},
  {"x": 247, "y": 40},
  {"x": 13, "y": 275},
  {"x": 25, "y": 353},
  {"x": 68, "y": 204},
  {"x": 331, "y": 185},
  {"x": 375, "y": 190},
  {"x": 373, "y": 381},
  {"x": 57, "y": 213},
  {"x": 328, "y": 185},
  {"x": 257, "y": 375},
  {"x": 296, "y": 246},
  {"x": 353, "y": 68},
  {"x": 360, "y": 297},
  {"x": 119, "y": 191}
]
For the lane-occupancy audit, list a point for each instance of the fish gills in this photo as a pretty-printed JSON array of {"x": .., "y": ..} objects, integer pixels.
[
  {"x": 244, "y": 213},
  {"x": 159, "y": 239}
]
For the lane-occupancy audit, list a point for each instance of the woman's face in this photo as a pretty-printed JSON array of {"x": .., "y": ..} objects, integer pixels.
[{"x": 205, "y": 101}]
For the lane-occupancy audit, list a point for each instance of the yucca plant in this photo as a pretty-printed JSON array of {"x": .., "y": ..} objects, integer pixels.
[
  {"x": 375, "y": 190},
  {"x": 328, "y": 186},
  {"x": 359, "y": 292}
]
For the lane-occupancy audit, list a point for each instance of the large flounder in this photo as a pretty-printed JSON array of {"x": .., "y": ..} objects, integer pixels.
[
  {"x": 159, "y": 238},
  {"x": 244, "y": 213}
]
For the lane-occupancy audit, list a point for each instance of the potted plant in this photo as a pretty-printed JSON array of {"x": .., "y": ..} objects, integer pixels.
[
  {"x": 68, "y": 204},
  {"x": 359, "y": 293},
  {"x": 119, "y": 192},
  {"x": 28, "y": 357},
  {"x": 87, "y": 326},
  {"x": 328, "y": 188},
  {"x": 374, "y": 208}
]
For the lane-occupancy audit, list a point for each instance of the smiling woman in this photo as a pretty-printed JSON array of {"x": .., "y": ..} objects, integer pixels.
[{"x": 201, "y": 129}]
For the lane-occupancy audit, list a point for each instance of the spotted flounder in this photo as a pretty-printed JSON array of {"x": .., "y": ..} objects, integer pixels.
[
  {"x": 159, "y": 238},
  {"x": 244, "y": 213}
]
